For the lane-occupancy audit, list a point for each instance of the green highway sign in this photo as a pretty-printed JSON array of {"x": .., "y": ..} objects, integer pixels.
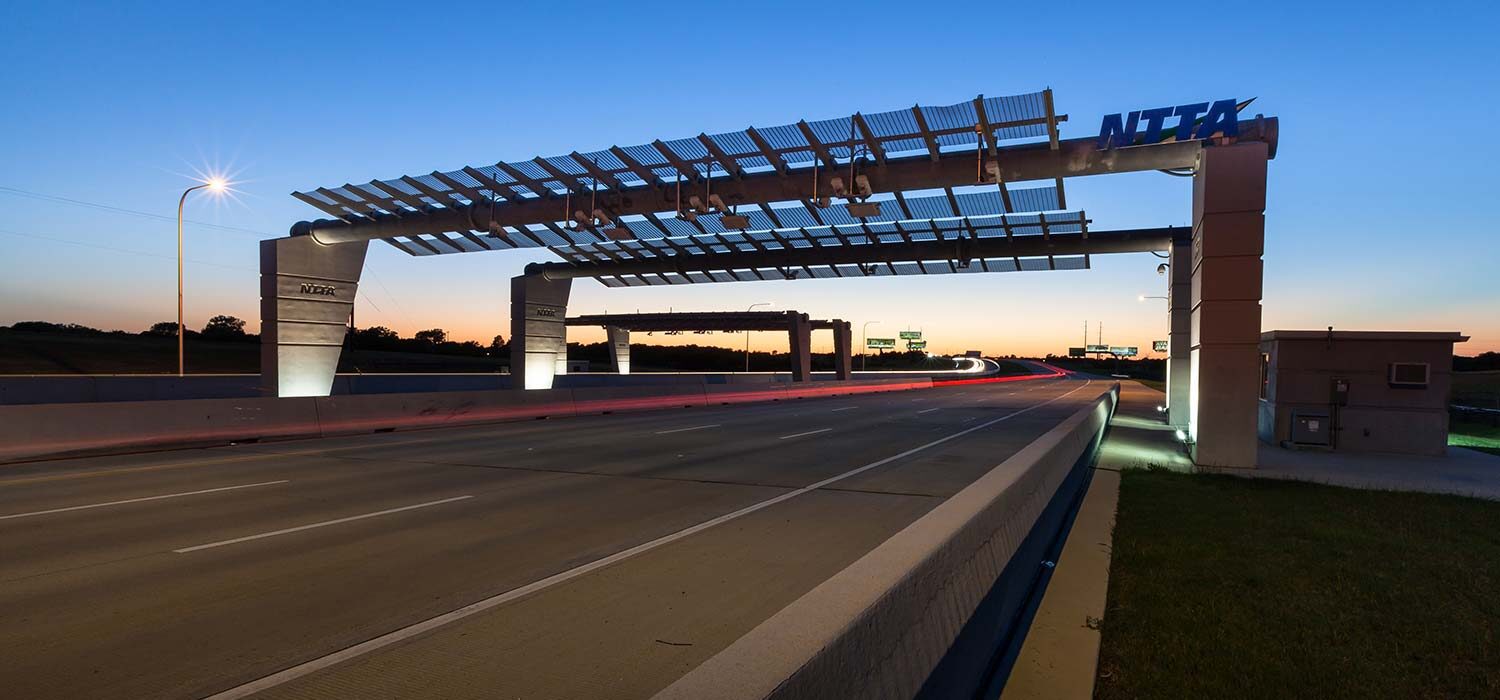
[
  {"x": 911, "y": 335},
  {"x": 880, "y": 343},
  {"x": 916, "y": 344}
]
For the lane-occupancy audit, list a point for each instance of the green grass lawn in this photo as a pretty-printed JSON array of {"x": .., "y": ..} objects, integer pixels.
[
  {"x": 1475, "y": 436},
  {"x": 1223, "y": 587}
]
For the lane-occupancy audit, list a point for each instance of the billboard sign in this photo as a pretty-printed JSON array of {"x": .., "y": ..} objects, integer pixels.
[
  {"x": 1076, "y": 352},
  {"x": 1124, "y": 350},
  {"x": 1158, "y": 346},
  {"x": 911, "y": 335},
  {"x": 1096, "y": 348},
  {"x": 880, "y": 343}
]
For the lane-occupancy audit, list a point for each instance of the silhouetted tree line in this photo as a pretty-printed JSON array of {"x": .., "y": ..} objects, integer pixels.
[
  {"x": 232, "y": 329},
  {"x": 432, "y": 340},
  {"x": 225, "y": 328},
  {"x": 1483, "y": 362}
]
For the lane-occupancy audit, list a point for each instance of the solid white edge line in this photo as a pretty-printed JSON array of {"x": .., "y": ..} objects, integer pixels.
[
  {"x": 389, "y": 638},
  {"x": 929, "y": 410},
  {"x": 810, "y": 432},
  {"x": 141, "y": 500},
  {"x": 310, "y": 526},
  {"x": 846, "y": 408},
  {"x": 683, "y": 430}
]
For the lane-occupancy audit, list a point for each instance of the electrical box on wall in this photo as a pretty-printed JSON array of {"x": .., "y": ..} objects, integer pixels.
[
  {"x": 1338, "y": 392},
  {"x": 1311, "y": 428}
]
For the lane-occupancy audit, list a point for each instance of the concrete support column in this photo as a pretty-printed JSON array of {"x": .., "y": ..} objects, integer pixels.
[
  {"x": 1229, "y": 201},
  {"x": 799, "y": 334},
  {"x": 1179, "y": 342},
  {"x": 538, "y": 333},
  {"x": 306, "y": 295},
  {"x": 843, "y": 352},
  {"x": 619, "y": 349}
]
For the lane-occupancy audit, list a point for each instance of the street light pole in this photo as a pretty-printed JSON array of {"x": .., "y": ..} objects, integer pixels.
[
  {"x": 747, "y": 331},
  {"x": 215, "y": 185},
  {"x": 864, "y": 345}
]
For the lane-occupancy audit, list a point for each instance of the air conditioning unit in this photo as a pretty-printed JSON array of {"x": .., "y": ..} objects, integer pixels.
[{"x": 1410, "y": 374}]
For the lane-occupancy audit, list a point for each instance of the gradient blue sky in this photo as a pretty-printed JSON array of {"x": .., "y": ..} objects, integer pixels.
[{"x": 1380, "y": 199}]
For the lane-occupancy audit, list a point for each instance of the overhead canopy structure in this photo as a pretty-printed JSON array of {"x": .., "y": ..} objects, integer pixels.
[
  {"x": 684, "y": 186},
  {"x": 741, "y": 258},
  {"x": 909, "y": 247}
]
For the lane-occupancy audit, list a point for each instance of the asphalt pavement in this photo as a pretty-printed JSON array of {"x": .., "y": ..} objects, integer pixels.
[{"x": 586, "y": 557}]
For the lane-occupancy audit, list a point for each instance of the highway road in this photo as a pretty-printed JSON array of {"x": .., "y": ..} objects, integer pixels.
[{"x": 588, "y": 557}]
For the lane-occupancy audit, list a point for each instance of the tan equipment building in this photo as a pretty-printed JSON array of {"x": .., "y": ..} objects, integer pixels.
[{"x": 1360, "y": 391}]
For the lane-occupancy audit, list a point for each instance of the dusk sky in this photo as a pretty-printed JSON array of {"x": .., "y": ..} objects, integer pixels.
[{"x": 1378, "y": 214}]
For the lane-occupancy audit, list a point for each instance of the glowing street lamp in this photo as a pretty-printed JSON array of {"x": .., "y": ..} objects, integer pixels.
[{"x": 215, "y": 185}]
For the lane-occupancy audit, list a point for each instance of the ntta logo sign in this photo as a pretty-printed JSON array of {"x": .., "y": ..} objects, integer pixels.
[
  {"x": 326, "y": 290},
  {"x": 1199, "y": 120}
]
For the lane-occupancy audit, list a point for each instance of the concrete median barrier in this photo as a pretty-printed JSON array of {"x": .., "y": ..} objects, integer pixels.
[
  {"x": 38, "y": 431},
  {"x": 880, "y": 627},
  {"x": 637, "y": 398},
  {"x": 343, "y": 415},
  {"x": 726, "y": 394},
  {"x": 863, "y": 386},
  {"x": 58, "y": 430}
]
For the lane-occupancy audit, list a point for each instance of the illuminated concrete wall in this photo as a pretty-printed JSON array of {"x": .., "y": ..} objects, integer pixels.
[
  {"x": 619, "y": 349},
  {"x": 1179, "y": 330},
  {"x": 1229, "y": 202},
  {"x": 538, "y": 334},
  {"x": 306, "y": 296},
  {"x": 843, "y": 353},
  {"x": 799, "y": 332}
]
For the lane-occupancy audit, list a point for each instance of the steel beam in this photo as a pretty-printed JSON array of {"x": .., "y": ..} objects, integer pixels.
[
  {"x": 697, "y": 321},
  {"x": 1123, "y": 241}
]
